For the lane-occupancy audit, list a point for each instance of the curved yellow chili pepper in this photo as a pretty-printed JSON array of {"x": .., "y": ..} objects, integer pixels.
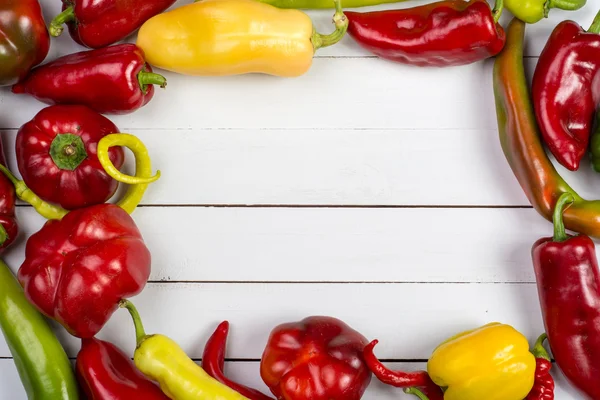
[
  {"x": 143, "y": 168},
  {"x": 492, "y": 363},
  {"x": 231, "y": 37},
  {"x": 163, "y": 361}
]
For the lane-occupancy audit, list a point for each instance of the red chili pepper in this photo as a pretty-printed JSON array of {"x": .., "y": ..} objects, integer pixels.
[
  {"x": 100, "y": 23},
  {"x": 24, "y": 39},
  {"x": 56, "y": 155},
  {"x": 401, "y": 379},
  {"x": 568, "y": 283},
  {"x": 543, "y": 388},
  {"x": 114, "y": 80},
  {"x": 213, "y": 362},
  {"x": 318, "y": 358},
  {"x": 445, "y": 33},
  {"x": 9, "y": 228},
  {"x": 566, "y": 90},
  {"x": 106, "y": 373}
]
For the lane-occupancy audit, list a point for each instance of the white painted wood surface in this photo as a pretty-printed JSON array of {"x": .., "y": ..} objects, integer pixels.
[{"x": 369, "y": 191}]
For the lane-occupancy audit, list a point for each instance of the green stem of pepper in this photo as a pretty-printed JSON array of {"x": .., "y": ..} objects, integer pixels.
[
  {"x": 569, "y": 5},
  {"x": 3, "y": 235},
  {"x": 341, "y": 26},
  {"x": 143, "y": 168},
  {"x": 46, "y": 210},
  {"x": 563, "y": 202},
  {"x": 497, "y": 11},
  {"x": 140, "y": 333},
  {"x": 539, "y": 351},
  {"x": 416, "y": 392},
  {"x": 595, "y": 28},
  {"x": 146, "y": 78},
  {"x": 56, "y": 26}
]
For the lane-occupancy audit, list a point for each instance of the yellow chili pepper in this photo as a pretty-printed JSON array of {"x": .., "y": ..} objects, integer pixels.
[
  {"x": 231, "y": 37},
  {"x": 492, "y": 363},
  {"x": 163, "y": 361}
]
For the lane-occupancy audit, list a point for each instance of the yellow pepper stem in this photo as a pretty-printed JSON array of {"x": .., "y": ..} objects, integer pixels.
[
  {"x": 46, "y": 210},
  {"x": 341, "y": 26},
  {"x": 143, "y": 168},
  {"x": 416, "y": 392},
  {"x": 140, "y": 333}
]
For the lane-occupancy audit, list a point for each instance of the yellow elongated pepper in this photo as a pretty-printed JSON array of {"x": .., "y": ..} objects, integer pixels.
[
  {"x": 492, "y": 363},
  {"x": 232, "y": 37},
  {"x": 162, "y": 360}
]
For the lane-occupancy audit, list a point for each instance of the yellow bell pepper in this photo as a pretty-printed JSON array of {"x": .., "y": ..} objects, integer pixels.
[
  {"x": 162, "y": 360},
  {"x": 489, "y": 363},
  {"x": 231, "y": 37}
]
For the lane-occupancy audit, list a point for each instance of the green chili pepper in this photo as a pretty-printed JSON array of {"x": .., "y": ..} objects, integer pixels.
[
  {"x": 42, "y": 363},
  {"x": 532, "y": 11},
  {"x": 319, "y": 4}
]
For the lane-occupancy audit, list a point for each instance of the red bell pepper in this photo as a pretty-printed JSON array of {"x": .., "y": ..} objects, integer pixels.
[
  {"x": 100, "y": 23},
  {"x": 543, "y": 387},
  {"x": 213, "y": 362},
  {"x": 566, "y": 90},
  {"x": 9, "y": 228},
  {"x": 400, "y": 379},
  {"x": 82, "y": 263},
  {"x": 318, "y": 358},
  {"x": 24, "y": 39},
  {"x": 106, "y": 373},
  {"x": 446, "y": 33},
  {"x": 568, "y": 284},
  {"x": 115, "y": 80},
  {"x": 57, "y": 156}
]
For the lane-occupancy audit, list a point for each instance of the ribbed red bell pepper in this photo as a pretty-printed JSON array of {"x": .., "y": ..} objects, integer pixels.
[
  {"x": 9, "y": 228},
  {"x": 24, "y": 39},
  {"x": 318, "y": 358},
  {"x": 114, "y": 80},
  {"x": 566, "y": 90},
  {"x": 100, "y": 23},
  {"x": 568, "y": 282},
  {"x": 446, "y": 33},
  {"x": 57, "y": 156},
  {"x": 106, "y": 373},
  {"x": 77, "y": 269}
]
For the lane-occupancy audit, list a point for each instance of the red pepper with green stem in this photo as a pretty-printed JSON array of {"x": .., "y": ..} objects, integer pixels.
[
  {"x": 446, "y": 33},
  {"x": 213, "y": 362},
  {"x": 112, "y": 80},
  {"x": 106, "y": 373},
  {"x": 96, "y": 247},
  {"x": 566, "y": 90},
  {"x": 408, "y": 380},
  {"x": 9, "y": 229},
  {"x": 543, "y": 388},
  {"x": 57, "y": 156},
  {"x": 100, "y": 23}
]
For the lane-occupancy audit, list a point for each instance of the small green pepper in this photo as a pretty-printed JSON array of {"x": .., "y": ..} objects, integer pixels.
[
  {"x": 42, "y": 363},
  {"x": 532, "y": 11}
]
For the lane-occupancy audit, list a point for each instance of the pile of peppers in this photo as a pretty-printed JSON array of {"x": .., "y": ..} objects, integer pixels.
[{"x": 89, "y": 258}]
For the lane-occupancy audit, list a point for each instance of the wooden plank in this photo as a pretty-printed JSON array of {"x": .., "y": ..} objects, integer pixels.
[
  {"x": 340, "y": 245},
  {"x": 248, "y": 373}
]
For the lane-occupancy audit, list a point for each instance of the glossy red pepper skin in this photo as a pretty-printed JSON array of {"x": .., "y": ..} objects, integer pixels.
[
  {"x": 543, "y": 388},
  {"x": 8, "y": 220},
  {"x": 213, "y": 362},
  {"x": 100, "y": 23},
  {"x": 52, "y": 176},
  {"x": 108, "y": 80},
  {"x": 106, "y": 373},
  {"x": 24, "y": 39},
  {"x": 568, "y": 283},
  {"x": 566, "y": 91},
  {"x": 318, "y": 358},
  {"x": 76, "y": 270},
  {"x": 446, "y": 33}
]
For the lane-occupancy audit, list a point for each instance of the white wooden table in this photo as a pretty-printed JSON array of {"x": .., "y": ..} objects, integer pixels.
[{"x": 365, "y": 190}]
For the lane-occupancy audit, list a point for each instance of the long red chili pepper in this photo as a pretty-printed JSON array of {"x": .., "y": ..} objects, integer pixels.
[
  {"x": 401, "y": 379},
  {"x": 543, "y": 388},
  {"x": 213, "y": 361}
]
